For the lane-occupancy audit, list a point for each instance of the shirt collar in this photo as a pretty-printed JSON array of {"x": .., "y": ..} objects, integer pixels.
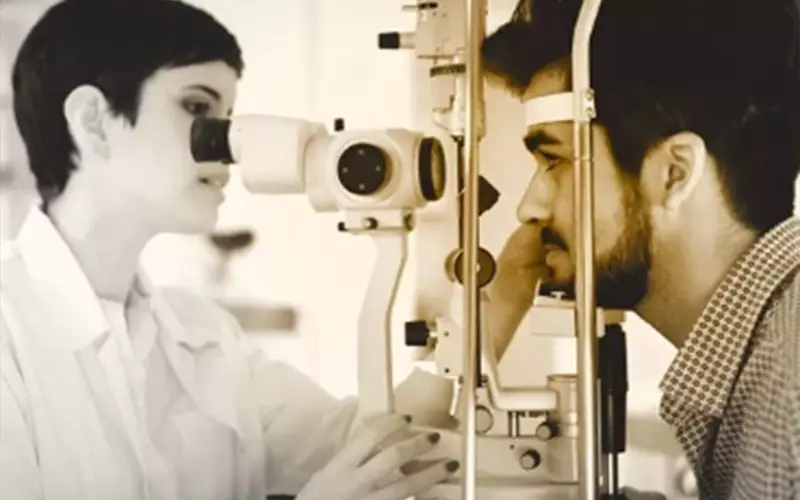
[{"x": 726, "y": 325}]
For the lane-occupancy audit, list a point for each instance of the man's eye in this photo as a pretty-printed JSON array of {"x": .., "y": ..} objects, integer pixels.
[
  {"x": 197, "y": 108},
  {"x": 548, "y": 161}
]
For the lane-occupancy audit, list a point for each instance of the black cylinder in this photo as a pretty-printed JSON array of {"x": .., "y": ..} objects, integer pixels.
[
  {"x": 389, "y": 41},
  {"x": 209, "y": 140},
  {"x": 417, "y": 333}
]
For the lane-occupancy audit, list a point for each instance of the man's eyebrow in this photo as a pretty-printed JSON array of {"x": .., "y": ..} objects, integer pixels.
[
  {"x": 536, "y": 139},
  {"x": 208, "y": 90}
]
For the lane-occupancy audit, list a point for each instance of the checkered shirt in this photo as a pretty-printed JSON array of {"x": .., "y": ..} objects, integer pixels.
[{"x": 732, "y": 394}]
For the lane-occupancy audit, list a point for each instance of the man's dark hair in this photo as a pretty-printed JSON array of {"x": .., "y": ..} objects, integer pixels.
[
  {"x": 114, "y": 45},
  {"x": 727, "y": 70}
]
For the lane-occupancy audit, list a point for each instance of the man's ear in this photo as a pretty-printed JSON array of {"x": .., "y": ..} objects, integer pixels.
[
  {"x": 671, "y": 171},
  {"x": 86, "y": 110}
]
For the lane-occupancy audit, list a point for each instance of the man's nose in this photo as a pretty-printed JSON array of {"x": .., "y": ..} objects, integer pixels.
[{"x": 537, "y": 202}]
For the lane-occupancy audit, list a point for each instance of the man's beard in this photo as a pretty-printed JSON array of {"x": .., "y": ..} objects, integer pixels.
[{"x": 622, "y": 273}]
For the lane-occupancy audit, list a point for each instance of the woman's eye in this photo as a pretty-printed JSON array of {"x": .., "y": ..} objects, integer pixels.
[{"x": 197, "y": 108}]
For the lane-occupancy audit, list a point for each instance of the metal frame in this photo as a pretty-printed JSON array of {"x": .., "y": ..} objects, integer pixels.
[{"x": 582, "y": 116}]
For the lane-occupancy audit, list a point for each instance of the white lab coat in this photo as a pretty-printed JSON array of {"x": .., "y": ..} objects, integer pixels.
[{"x": 61, "y": 433}]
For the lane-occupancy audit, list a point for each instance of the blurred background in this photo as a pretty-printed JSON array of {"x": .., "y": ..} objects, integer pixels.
[{"x": 298, "y": 288}]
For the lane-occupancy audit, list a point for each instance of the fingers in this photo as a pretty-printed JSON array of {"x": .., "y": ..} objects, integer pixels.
[
  {"x": 405, "y": 470},
  {"x": 394, "y": 457},
  {"x": 520, "y": 265},
  {"x": 524, "y": 246},
  {"x": 403, "y": 434},
  {"x": 418, "y": 482},
  {"x": 372, "y": 433},
  {"x": 560, "y": 265}
]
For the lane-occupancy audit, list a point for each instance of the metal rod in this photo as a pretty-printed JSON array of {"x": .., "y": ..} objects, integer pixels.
[
  {"x": 475, "y": 13},
  {"x": 586, "y": 319},
  {"x": 585, "y": 314}
]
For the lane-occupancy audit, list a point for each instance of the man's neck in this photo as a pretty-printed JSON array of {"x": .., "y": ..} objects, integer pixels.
[
  {"x": 685, "y": 276},
  {"x": 106, "y": 245}
]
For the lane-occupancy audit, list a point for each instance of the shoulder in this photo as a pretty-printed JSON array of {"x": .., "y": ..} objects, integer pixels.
[
  {"x": 783, "y": 312},
  {"x": 781, "y": 323},
  {"x": 10, "y": 264},
  {"x": 10, "y": 258},
  {"x": 15, "y": 281}
]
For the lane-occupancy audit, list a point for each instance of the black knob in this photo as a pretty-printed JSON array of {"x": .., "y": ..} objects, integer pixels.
[
  {"x": 530, "y": 460},
  {"x": 547, "y": 430},
  {"x": 389, "y": 40},
  {"x": 338, "y": 124},
  {"x": 232, "y": 241},
  {"x": 417, "y": 333}
]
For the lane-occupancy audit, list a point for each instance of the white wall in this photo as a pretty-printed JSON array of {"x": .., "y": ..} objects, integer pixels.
[{"x": 16, "y": 192}]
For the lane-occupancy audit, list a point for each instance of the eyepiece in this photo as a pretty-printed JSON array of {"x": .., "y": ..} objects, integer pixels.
[{"x": 209, "y": 140}]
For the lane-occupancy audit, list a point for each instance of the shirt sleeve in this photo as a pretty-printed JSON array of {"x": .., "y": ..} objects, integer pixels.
[
  {"x": 303, "y": 425},
  {"x": 19, "y": 471},
  {"x": 794, "y": 418}
]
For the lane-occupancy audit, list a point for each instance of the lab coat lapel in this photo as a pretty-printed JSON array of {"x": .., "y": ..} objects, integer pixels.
[
  {"x": 197, "y": 359},
  {"x": 211, "y": 368},
  {"x": 66, "y": 328}
]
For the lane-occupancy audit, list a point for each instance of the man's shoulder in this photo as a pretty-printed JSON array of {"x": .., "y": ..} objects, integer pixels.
[
  {"x": 783, "y": 310},
  {"x": 781, "y": 325}
]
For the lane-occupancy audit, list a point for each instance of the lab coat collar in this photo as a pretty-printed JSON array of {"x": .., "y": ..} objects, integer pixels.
[
  {"x": 51, "y": 263},
  {"x": 53, "y": 266},
  {"x": 200, "y": 338},
  {"x": 75, "y": 305}
]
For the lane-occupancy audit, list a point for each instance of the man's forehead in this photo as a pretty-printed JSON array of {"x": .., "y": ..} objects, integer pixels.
[{"x": 551, "y": 80}]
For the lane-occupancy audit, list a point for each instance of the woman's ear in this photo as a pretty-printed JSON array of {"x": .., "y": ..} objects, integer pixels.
[{"x": 86, "y": 111}]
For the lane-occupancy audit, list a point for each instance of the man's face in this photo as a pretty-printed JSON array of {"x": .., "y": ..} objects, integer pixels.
[
  {"x": 151, "y": 165},
  {"x": 622, "y": 229}
]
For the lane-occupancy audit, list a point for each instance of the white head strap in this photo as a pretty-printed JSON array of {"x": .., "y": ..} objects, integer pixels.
[{"x": 550, "y": 108}]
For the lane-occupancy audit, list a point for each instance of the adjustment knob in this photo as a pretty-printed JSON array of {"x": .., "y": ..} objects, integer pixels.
[
  {"x": 484, "y": 420},
  {"x": 547, "y": 430},
  {"x": 417, "y": 333},
  {"x": 530, "y": 460},
  {"x": 389, "y": 41},
  {"x": 686, "y": 481},
  {"x": 232, "y": 241}
]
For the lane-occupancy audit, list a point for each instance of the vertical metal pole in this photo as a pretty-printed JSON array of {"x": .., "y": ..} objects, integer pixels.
[
  {"x": 475, "y": 14},
  {"x": 586, "y": 307},
  {"x": 586, "y": 320}
]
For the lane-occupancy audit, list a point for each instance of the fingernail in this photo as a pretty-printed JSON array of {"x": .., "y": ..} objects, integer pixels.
[
  {"x": 452, "y": 465},
  {"x": 434, "y": 437},
  {"x": 407, "y": 418}
]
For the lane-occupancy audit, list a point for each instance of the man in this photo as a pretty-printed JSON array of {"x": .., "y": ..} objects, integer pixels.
[
  {"x": 111, "y": 389},
  {"x": 696, "y": 153}
]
